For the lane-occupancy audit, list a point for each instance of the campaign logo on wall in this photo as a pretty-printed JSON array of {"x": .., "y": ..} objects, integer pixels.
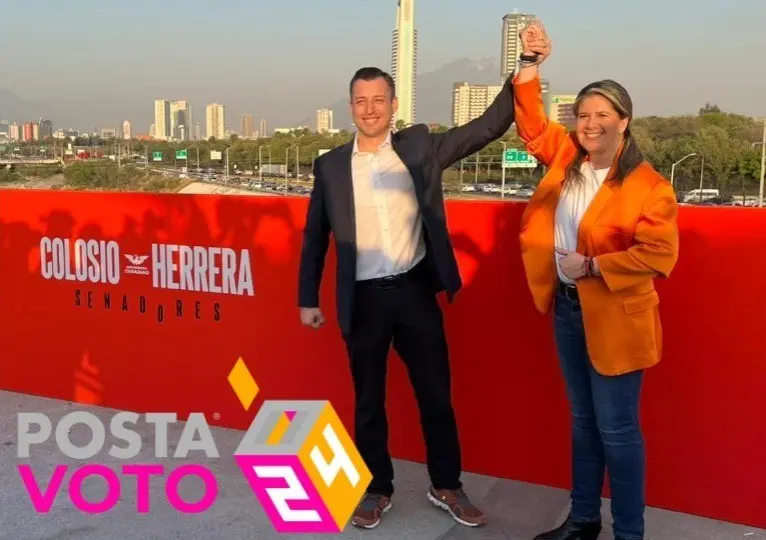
[{"x": 109, "y": 279}]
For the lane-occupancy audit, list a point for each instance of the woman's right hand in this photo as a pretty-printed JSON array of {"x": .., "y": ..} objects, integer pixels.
[{"x": 534, "y": 40}]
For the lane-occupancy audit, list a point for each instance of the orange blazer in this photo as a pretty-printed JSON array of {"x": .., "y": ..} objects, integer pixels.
[{"x": 630, "y": 230}]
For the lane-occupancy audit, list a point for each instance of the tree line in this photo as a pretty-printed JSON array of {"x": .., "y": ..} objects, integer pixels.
[
  {"x": 96, "y": 175},
  {"x": 727, "y": 142}
]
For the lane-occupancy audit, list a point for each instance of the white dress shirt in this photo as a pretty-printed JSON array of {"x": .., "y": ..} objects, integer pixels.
[
  {"x": 388, "y": 221},
  {"x": 573, "y": 203}
]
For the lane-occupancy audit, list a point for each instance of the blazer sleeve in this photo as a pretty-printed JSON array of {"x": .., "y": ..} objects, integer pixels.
[
  {"x": 316, "y": 240},
  {"x": 655, "y": 251},
  {"x": 542, "y": 138},
  {"x": 463, "y": 141}
]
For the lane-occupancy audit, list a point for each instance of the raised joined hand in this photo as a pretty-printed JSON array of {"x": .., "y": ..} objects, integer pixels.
[{"x": 534, "y": 40}]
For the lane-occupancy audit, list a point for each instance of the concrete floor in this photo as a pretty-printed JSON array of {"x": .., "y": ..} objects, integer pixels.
[{"x": 516, "y": 510}]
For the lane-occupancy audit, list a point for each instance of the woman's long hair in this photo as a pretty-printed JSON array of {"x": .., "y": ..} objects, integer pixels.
[{"x": 629, "y": 155}]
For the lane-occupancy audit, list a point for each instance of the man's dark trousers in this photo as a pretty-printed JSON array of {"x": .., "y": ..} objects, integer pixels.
[{"x": 402, "y": 310}]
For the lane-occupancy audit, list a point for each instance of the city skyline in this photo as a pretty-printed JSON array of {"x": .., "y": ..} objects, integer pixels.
[
  {"x": 173, "y": 119},
  {"x": 685, "y": 78}
]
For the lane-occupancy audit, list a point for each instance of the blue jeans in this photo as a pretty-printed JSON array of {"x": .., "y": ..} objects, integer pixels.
[{"x": 605, "y": 430}]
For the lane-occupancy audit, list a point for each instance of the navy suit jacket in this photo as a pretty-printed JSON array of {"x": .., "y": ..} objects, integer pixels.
[{"x": 426, "y": 155}]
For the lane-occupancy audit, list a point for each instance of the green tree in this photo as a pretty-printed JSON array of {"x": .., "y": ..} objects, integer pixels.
[{"x": 719, "y": 152}]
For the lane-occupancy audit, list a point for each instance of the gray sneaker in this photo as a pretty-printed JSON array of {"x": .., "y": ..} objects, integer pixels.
[
  {"x": 367, "y": 515},
  {"x": 457, "y": 504}
]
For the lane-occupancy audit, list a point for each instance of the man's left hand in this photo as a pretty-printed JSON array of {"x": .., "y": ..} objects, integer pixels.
[{"x": 572, "y": 263}]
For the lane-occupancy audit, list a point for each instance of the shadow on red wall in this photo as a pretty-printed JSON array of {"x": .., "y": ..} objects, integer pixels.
[{"x": 134, "y": 346}]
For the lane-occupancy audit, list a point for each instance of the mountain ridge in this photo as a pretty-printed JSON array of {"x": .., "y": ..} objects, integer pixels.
[{"x": 433, "y": 103}]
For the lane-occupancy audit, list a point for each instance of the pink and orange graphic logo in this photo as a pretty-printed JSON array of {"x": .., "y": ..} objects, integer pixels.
[{"x": 299, "y": 461}]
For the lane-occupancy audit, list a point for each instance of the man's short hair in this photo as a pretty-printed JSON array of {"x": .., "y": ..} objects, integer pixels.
[{"x": 370, "y": 74}]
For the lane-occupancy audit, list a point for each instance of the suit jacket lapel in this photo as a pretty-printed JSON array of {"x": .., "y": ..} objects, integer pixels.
[
  {"x": 545, "y": 196},
  {"x": 410, "y": 161},
  {"x": 594, "y": 210},
  {"x": 599, "y": 202},
  {"x": 345, "y": 186}
]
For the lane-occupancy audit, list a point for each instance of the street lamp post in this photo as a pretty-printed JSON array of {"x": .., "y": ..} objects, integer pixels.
[
  {"x": 502, "y": 166},
  {"x": 673, "y": 167},
  {"x": 226, "y": 178},
  {"x": 260, "y": 160},
  {"x": 287, "y": 155},
  {"x": 186, "y": 159},
  {"x": 763, "y": 165}
]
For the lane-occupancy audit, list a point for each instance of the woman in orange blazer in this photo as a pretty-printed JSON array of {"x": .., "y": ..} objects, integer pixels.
[{"x": 599, "y": 228}]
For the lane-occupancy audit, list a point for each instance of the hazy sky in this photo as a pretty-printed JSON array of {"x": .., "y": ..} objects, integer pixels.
[{"x": 672, "y": 55}]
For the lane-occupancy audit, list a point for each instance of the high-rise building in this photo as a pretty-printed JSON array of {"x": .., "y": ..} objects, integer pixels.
[
  {"x": 404, "y": 60},
  {"x": 262, "y": 128},
  {"x": 324, "y": 120},
  {"x": 126, "y": 131},
  {"x": 198, "y": 132},
  {"x": 180, "y": 120},
  {"x": 46, "y": 129},
  {"x": 162, "y": 123},
  {"x": 247, "y": 126},
  {"x": 513, "y": 24},
  {"x": 469, "y": 101},
  {"x": 216, "y": 121},
  {"x": 562, "y": 110},
  {"x": 545, "y": 87},
  {"x": 70, "y": 133}
]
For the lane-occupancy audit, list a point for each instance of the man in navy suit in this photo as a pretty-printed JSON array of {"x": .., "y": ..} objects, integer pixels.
[{"x": 381, "y": 197}]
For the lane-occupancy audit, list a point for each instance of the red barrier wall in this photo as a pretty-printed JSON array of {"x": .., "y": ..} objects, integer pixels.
[{"x": 703, "y": 406}]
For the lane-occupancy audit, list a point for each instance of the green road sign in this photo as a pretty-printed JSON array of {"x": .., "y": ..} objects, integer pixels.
[
  {"x": 514, "y": 158},
  {"x": 156, "y": 156},
  {"x": 180, "y": 154}
]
